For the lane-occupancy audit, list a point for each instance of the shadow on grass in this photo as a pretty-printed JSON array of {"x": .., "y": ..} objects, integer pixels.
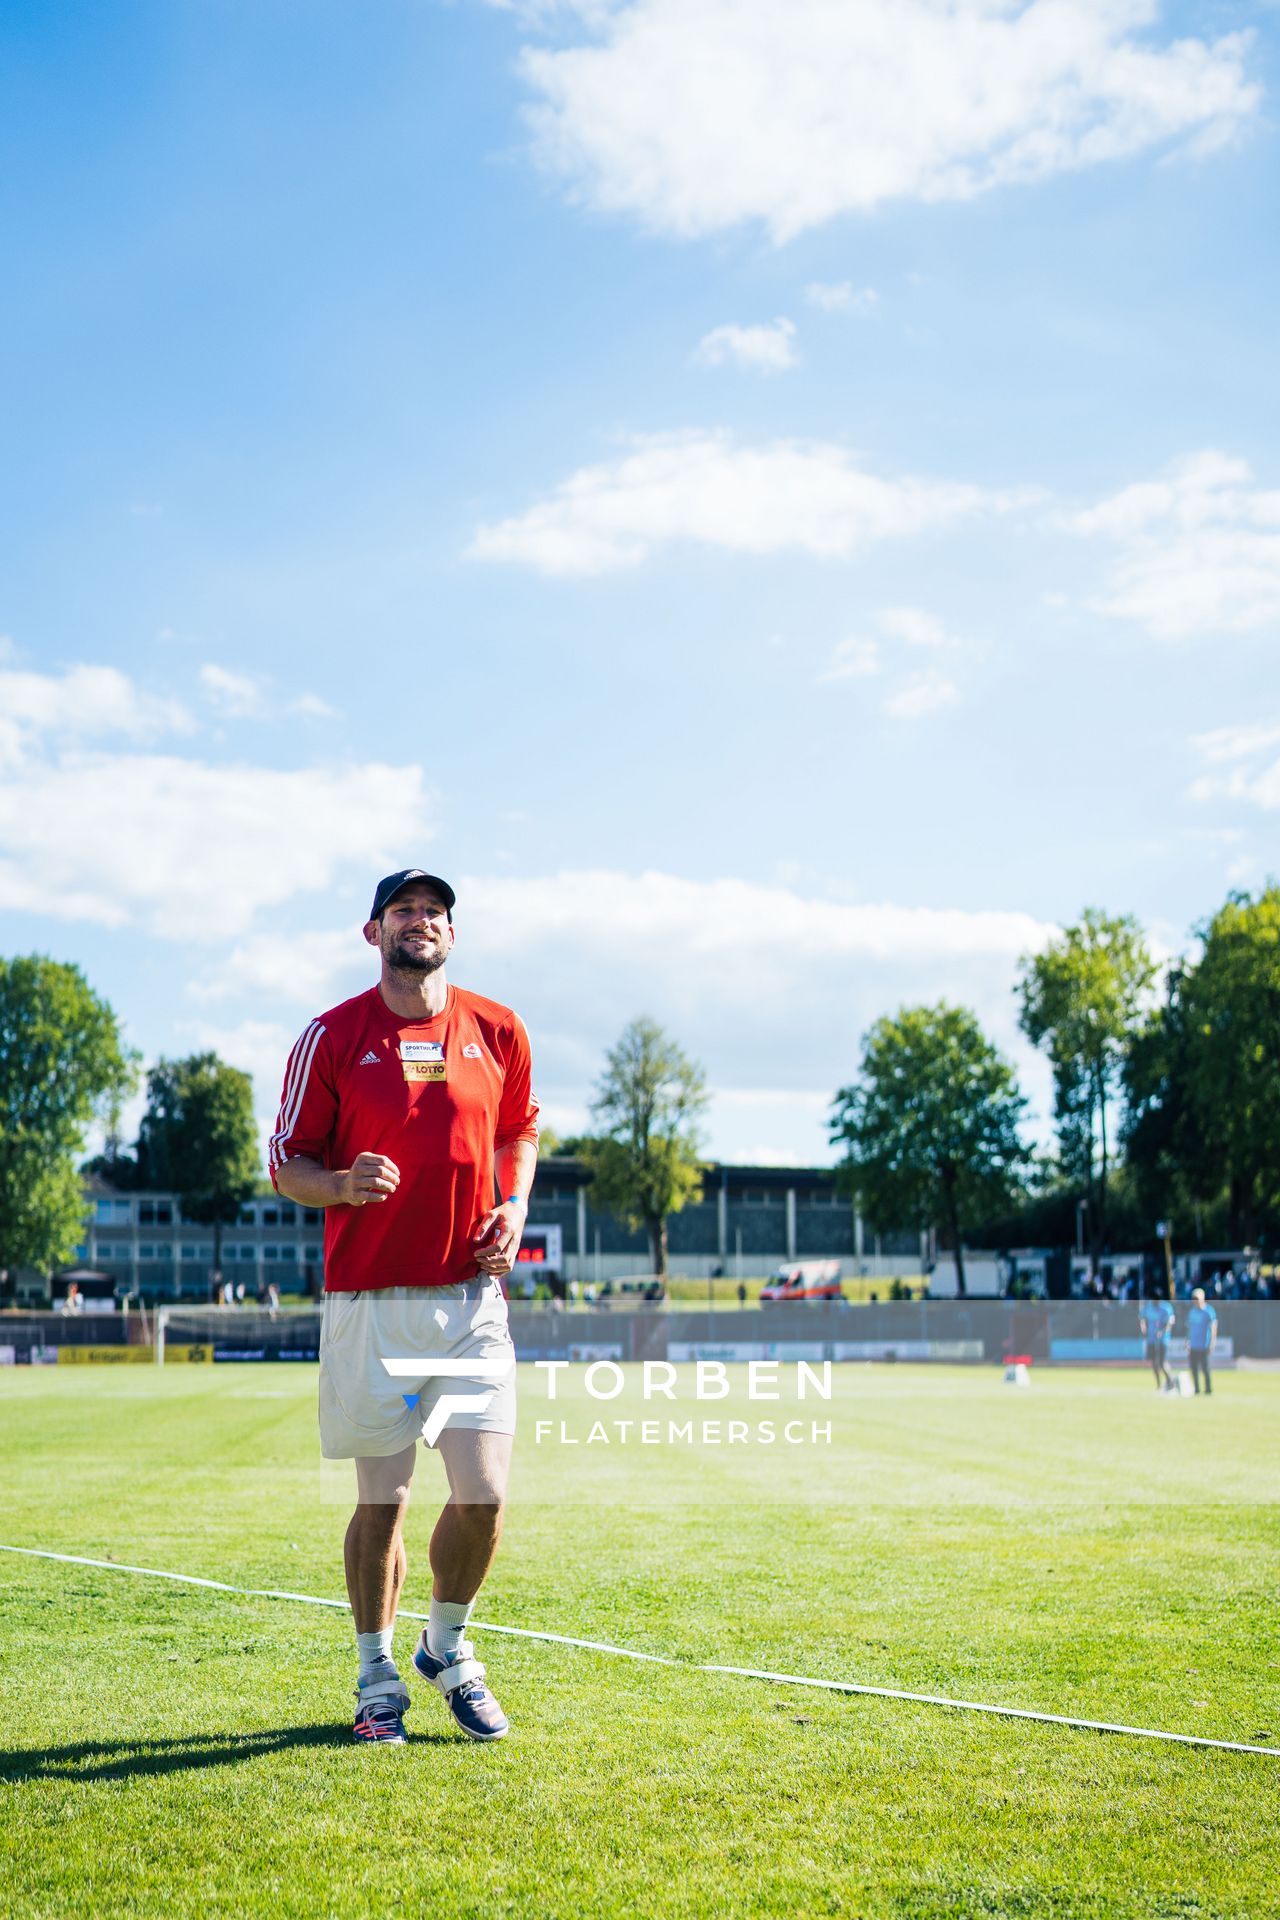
[{"x": 121, "y": 1759}]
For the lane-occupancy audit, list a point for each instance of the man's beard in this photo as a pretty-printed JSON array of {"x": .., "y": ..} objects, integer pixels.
[{"x": 403, "y": 958}]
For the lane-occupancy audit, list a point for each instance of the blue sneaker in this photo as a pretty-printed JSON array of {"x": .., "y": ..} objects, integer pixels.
[
  {"x": 380, "y": 1710},
  {"x": 461, "y": 1681}
]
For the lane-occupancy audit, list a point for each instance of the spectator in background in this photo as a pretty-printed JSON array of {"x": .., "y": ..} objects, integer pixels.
[
  {"x": 1156, "y": 1320},
  {"x": 742, "y": 1293},
  {"x": 74, "y": 1302},
  {"x": 1202, "y": 1338},
  {"x": 273, "y": 1299}
]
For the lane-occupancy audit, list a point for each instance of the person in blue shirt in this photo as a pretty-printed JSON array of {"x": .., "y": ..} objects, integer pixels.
[
  {"x": 1156, "y": 1318},
  {"x": 1202, "y": 1338}
]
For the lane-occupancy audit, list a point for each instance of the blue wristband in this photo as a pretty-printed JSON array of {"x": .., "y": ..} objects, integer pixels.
[{"x": 514, "y": 1200}]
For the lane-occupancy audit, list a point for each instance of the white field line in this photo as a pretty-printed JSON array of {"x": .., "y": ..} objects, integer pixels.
[{"x": 665, "y": 1660}]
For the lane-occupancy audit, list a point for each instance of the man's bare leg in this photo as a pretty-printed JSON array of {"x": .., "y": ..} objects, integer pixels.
[
  {"x": 467, "y": 1533},
  {"x": 375, "y": 1564},
  {"x": 462, "y": 1549},
  {"x": 374, "y": 1549}
]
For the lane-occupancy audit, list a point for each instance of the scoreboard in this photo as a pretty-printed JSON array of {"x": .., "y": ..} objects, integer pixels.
[{"x": 541, "y": 1251}]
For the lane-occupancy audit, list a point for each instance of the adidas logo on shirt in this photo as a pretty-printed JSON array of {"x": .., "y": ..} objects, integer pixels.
[{"x": 370, "y": 1059}]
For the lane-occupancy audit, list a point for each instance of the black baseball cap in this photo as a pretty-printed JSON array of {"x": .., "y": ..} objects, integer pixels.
[{"x": 387, "y": 889}]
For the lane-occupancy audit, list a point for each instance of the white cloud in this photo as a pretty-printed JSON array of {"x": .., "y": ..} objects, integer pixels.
[
  {"x": 83, "y": 702},
  {"x": 246, "y": 696},
  {"x": 1235, "y": 743},
  {"x": 857, "y": 658},
  {"x": 1251, "y": 774},
  {"x": 237, "y": 695},
  {"x": 915, "y": 627},
  {"x": 764, "y": 349},
  {"x": 302, "y": 966},
  {"x": 854, "y": 658},
  {"x": 312, "y": 707},
  {"x": 194, "y": 850},
  {"x": 787, "y": 496},
  {"x": 696, "y": 115},
  {"x": 769, "y": 987},
  {"x": 840, "y": 296},
  {"x": 1198, "y": 549},
  {"x": 923, "y": 693}
]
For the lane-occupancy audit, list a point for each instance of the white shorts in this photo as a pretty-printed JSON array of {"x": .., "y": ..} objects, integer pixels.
[{"x": 364, "y": 1410}]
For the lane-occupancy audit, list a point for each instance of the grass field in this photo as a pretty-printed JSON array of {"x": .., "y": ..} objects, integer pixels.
[{"x": 1082, "y": 1548}]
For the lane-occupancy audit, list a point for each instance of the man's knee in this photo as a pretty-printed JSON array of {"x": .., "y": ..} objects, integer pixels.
[
  {"x": 478, "y": 1465},
  {"x": 384, "y": 1484}
]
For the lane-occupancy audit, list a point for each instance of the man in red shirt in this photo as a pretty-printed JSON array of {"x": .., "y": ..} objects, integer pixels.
[{"x": 400, "y": 1108}]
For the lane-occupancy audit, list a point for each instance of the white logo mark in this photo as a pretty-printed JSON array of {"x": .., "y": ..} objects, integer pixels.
[{"x": 450, "y": 1403}]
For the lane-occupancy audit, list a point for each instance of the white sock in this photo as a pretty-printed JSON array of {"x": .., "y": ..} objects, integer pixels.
[
  {"x": 446, "y": 1626},
  {"x": 374, "y": 1650}
]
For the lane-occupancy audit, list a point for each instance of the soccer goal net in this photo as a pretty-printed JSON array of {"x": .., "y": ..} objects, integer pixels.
[{"x": 237, "y": 1333}]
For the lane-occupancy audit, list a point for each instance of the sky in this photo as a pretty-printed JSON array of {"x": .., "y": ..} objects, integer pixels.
[{"x": 779, "y": 506}]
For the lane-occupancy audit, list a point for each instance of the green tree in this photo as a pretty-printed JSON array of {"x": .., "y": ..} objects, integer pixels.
[
  {"x": 930, "y": 1127},
  {"x": 198, "y": 1139},
  {"x": 1082, "y": 1001},
  {"x": 644, "y": 1160},
  {"x": 1230, "y": 1003},
  {"x": 62, "y": 1065},
  {"x": 1173, "y": 1169}
]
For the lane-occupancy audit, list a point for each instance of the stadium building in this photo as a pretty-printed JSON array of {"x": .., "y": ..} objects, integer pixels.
[{"x": 747, "y": 1221}]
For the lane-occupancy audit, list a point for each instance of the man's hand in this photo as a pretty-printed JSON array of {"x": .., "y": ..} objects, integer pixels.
[
  {"x": 496, "y": 1237},
  {"x": 370, "y": 1179}
]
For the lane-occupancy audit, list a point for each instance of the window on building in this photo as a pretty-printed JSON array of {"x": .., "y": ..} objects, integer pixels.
[
  {"x": 313, "y": 1252},
  {"x": 189, "y": 1252},
  {"x": 248, "y": 1253},
  {"x": 288, "y": 1253},
  {"x": 102, "y": 1209},
  {"x": 271, "y": 1216},
  {"x": 147, "y": 1251},
  {"x": 246, "y": 1217},
  {"x": 311, "y": 1216},
  {"x": 146, "y": 1213},
  {"x": 271, "y": 1253},
  {"x": 288, "y": 1216},
  {"x": 164, "y": 1214}
]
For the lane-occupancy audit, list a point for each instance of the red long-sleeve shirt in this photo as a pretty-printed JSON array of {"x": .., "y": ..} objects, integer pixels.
[{"x": 436, "y": 1096}]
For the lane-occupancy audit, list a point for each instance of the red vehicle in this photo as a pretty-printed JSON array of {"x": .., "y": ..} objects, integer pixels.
[{"x": 804, "y": 1280}]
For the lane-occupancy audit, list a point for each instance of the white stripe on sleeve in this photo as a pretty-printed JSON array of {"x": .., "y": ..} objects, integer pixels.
[{"x": 296, "y": 1075}]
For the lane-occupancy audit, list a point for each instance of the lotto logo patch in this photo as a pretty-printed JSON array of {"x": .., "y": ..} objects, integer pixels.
[{"x": 422, "y": 1059}]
